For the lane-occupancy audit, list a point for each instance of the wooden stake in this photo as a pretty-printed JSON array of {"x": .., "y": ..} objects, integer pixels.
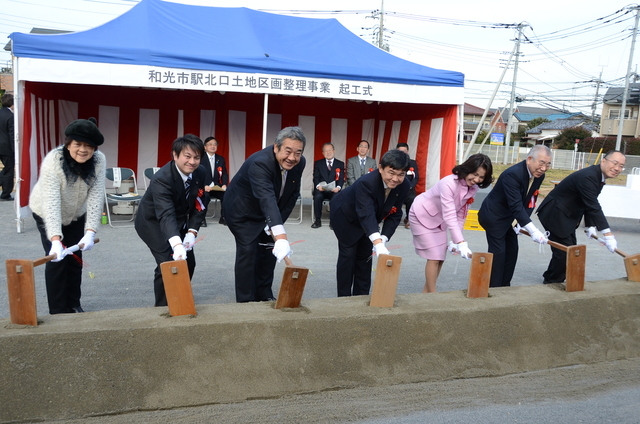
[
  {"x": 22, "y": 292},
  {"x": 576, "y": 262},
  {"x": 292, "y": 285},
  {"x": 632, "y": 265},
  {"x": 480, "y": 275},
  {"x": 177, "y": 286},
  {"x": 386, "y": 281}
]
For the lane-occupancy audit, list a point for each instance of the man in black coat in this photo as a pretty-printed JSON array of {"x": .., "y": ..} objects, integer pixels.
[
  {"x": 413, "y": 176},
  {"x": 217, "y": 175},
  {"x": 258, "y": 202},
  {"x": 513, "y": 198},
  {"x": 576, "y": 196},
  {"x": 355, "y": 214},
  {"x": 172, "y": 209},
  {"x": 7, "y": 152},
  {"x": 328, "y": 170}
]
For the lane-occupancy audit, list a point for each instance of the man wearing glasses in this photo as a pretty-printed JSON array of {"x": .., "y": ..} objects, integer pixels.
[
  {"x": 510, "y": 202},
  {"x": 577, "y": 196}
]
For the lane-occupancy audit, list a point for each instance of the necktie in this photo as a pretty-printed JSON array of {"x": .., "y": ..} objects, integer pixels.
[
  {"x": 284, "y": 179},
  {"x": 530, "y": 183},
  {"x": 187, "y": 184},
  {"x": 329, "y": 165},
  {"x": 213, "y": 166},
  {"x": 362, "y": 166},
  {"x": 386, "y": 193}
]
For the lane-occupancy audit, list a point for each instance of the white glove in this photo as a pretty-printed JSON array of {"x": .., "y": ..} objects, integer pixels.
[
  {"x": 267, "y": 230},
  {"x": 58, "y": 250},
  {"x": 591, "y": 232},
  {"x": 87, "y": 240},
  {"x": 380, "y": 249},
  {"x": 465, "y": 252},
  {"x": 179, "y": 252},
  {"x": 611, "y": 243},
  {"x": 189, "y": 241},
  {"x": 384, "y": 239},
  {"x": 517, "y": 229},
  {"x": 281, "y": 249},
  {"x": 535, "y": 234}
]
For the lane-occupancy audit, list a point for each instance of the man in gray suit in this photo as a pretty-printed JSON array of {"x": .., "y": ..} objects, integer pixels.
[{"x": 360, "y": 165}]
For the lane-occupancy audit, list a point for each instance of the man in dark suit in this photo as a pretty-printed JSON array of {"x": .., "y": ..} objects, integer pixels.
[
  {"x": 7, "y": 152},
  {"x": 217, "y": 175},
  {"x": 259, "y": 201},
  {"x": 361, "y": 164},
  {"x": 355, "y": 215},
  {"x": 576, "y": 196},
  {"x": 172, "y": 209},
  {"x": 328, "y": 170},
  {"x": 413, "y": 177},
  {"x": 513, "y": 199}
]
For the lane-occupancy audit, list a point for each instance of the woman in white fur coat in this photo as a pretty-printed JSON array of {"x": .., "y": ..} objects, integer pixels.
[{"x": 67, "y": 205}]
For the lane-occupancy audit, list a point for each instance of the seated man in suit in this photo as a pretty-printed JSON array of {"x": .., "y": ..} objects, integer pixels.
[
  {"x": 263, "y": 194},
  {"x": 513, "y": 198},
  {"x": 575, "y": 197},
  {"x": 355, "y": 215},
  {"x": 217, "y": 175},
  {"x": 328, "y": 170},
  {"x": 361, "y": 164},
  {"x": 172, "y": 209},
  {"x": 413, "y": 177}
]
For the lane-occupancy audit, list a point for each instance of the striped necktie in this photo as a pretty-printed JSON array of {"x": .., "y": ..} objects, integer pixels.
[{"x": 187, "y": 184}]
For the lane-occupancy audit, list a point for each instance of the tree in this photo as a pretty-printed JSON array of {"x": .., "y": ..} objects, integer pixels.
[{"x": 566, "y": 139}]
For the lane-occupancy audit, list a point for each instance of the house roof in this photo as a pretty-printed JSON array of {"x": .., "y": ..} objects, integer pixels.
[
  {"x": 562, "y": 124},
  {"x": 614, "y": 95},
  {"x": 470, "y": 109}
]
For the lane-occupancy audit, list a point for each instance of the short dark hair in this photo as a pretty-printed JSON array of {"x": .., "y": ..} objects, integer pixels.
[
  {"x": 396, "y": 159},
  {"x": 328, "y": 144},
  {"x": 7, "y": 100},
  {"x": 399, "y": 145},
  {"x": 610, "y": 152},
  {"x": 208, "y": 139},
  {"x": 364, "y": 141},
  {"x": 188, "y": 140},
  {"x": 473, "y": 163},
  {"x": 294, "y": 133}
]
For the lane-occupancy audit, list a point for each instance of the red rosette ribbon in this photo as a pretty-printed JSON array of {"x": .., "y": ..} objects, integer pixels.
[
  {"x": 470, "y": 200},
  {"x": 391, "y": 212},
  {"x": 337, "y": 174},
  {"x": 370, "y": 169},
  {"x": 534, "y": 199},
  {"x": 199, "y": 205}
]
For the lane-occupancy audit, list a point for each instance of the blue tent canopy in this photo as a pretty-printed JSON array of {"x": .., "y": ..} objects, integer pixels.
[{"x": 173, "y": 35}]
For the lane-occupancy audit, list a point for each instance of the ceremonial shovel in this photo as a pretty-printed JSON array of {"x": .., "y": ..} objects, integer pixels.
[
  {"x": 631, "y": 263},
  {"x": 576, "y": 262},
  {"x": 21, "y": 287}
]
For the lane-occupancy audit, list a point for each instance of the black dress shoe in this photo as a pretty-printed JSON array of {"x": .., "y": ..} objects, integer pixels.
[
  {"x": 222, "y": 221},
  {"x": 268, "y": 299},
  {"x": 316, "y": 224},
  {"x": 204, "y": 223},
  {"x": 7, "y": 199},
  {"x": 77, "y": 310}
]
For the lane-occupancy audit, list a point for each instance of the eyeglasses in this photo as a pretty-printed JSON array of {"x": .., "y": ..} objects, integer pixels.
[
  {"x": 616, "y": 164},
  {"x": 543, "y": 164}
]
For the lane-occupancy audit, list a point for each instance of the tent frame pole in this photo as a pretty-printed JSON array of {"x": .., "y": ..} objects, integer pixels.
[{"x": 265, "y": 115}]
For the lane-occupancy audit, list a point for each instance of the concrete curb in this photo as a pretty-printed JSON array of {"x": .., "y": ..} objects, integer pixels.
[{"x": 138, "y": 359}]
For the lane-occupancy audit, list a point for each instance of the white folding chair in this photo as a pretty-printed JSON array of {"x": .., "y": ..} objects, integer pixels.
[{"x": 121, "y": 190}]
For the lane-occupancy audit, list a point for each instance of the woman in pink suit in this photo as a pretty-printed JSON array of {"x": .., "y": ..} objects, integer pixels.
[{"x": 445, "y": 206}]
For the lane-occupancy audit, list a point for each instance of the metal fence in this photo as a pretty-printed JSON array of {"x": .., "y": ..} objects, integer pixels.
[{"x": 561, "y": 159}]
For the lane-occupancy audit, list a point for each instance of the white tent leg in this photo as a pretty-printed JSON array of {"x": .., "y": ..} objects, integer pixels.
[{"x": 264, "y": 120}]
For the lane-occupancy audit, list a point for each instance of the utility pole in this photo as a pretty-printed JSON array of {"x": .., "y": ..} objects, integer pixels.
[
  {"x": 513, "y": 94},
  {"x": 626, "y": 80},
  {"x": 381, "y": 30},
  {"x": 595, "y": 99}
]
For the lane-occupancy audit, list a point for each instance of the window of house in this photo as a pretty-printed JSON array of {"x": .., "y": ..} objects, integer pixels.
[{"x": 615, "y": 113}]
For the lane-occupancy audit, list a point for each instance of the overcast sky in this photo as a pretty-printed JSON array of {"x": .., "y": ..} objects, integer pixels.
[{"x": 567, "y": 44}]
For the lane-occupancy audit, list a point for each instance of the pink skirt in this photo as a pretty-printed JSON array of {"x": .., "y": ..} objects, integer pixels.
[{"x": 429, "y": 243}]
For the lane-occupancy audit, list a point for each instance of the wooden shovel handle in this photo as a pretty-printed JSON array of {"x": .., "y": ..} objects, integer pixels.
[
  {"x": 48, "y": 258},
  {"x": 287, "y": 260},
  {"x": 549, "y": 242},
  {"x": 618, "y": 251}
]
